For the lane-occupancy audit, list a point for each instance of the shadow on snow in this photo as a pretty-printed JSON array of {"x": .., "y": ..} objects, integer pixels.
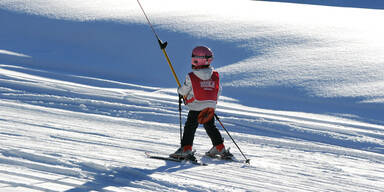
[
  {"x": 369, "y": 4},
  {"x": 130, "y": 177}
]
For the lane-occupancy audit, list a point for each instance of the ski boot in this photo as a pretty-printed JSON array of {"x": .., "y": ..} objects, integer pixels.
[
  {"x": 183, "y": 153},
  {"x": 219, "y": 151}
]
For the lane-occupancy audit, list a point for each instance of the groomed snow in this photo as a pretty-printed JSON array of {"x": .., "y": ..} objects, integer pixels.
[
  {"x": 302, "y": 95},
  {"x": 66, "y": 136}
]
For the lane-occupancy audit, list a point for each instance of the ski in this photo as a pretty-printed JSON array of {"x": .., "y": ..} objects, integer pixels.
[
  {"x": 231, "y": 159},
  {"x": 227, "y": 156},
  {"x": 193, "y": 161},
  {"x": 219, "y": 159}
]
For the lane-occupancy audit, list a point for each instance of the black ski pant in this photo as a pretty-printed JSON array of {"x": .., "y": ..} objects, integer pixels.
[{"x": 190, "y": 128}]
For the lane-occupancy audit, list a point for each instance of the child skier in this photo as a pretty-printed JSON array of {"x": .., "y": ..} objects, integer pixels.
[{"x": 201, "y": 91}]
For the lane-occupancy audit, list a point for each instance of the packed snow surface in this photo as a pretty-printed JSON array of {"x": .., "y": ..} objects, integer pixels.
[{"x": 85, "y": 92}]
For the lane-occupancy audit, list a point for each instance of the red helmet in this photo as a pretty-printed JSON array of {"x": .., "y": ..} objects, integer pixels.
[{"x": 202, "y": 57}]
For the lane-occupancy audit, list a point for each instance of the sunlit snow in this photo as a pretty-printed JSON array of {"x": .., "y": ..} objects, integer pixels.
[{"x": 85, "y": 91}]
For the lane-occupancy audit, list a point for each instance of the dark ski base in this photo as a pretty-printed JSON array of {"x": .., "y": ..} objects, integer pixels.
[
  {"x": 220, "y": 158},
  {"x": 228, "y": 159},
  {"x": 195, "y": 162}
]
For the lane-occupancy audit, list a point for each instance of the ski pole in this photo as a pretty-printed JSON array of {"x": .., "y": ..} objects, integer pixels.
[
  {"x": 246, "y": 159},
  {"x": 161, "y": 44},
  {"x": 181, "y": 126}
]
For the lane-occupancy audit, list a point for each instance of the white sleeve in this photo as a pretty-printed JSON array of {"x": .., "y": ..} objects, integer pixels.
[{"x": 186, "y": 87}]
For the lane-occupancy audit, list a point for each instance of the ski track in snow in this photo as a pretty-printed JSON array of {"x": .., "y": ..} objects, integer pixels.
[{"x": 69, "y": 133}]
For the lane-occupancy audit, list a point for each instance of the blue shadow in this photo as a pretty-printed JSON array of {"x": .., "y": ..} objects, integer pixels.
[{"x": 368, "y": 4}]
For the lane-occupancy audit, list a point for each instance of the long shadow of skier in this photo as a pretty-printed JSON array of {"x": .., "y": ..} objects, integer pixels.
[{"x": 128, "y": 177}]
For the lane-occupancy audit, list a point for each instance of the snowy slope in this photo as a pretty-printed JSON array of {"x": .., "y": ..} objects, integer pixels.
[
  {"x": 62, "y": 135},
  {"x": 308, "y": 58},
  {"x": 302, "y": 95}
]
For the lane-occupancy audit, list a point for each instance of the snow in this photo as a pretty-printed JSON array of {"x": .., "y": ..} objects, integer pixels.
[{"x": 85, "y": 92}]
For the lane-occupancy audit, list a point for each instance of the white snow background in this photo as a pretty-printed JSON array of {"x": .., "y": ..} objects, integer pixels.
[{"x": 85, "y": 91}]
